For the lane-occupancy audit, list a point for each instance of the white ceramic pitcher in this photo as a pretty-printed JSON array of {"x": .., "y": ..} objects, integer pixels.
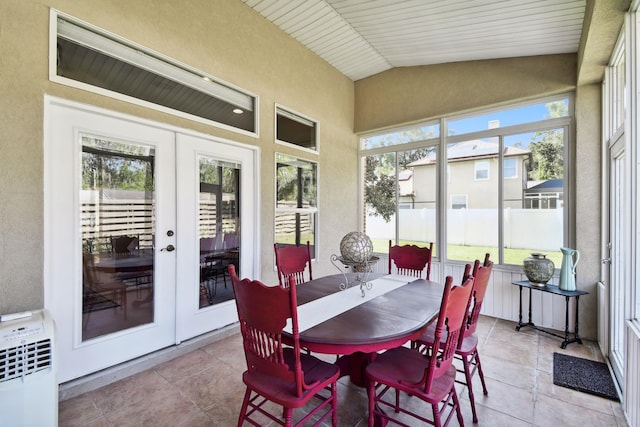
[{"x": 568, "y": 269}]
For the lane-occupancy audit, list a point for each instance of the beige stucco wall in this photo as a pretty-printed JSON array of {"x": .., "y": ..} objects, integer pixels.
[
  {"x": 223, "y": 38},
  {"x": 588, "y": 218},
  {"x": 405, "y": 95}
]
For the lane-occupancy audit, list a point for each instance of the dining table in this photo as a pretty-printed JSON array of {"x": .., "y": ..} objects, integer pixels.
[{"x": 355, "y": 325}]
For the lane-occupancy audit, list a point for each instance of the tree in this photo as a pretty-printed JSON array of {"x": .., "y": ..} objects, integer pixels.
[
  {"x": 380, "y": 171},
  {"x": 380, "y": 189},
  {"x": 547, "y": 148}
]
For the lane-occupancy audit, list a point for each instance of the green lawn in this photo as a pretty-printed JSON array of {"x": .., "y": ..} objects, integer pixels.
[
  {"x": 469, "y": 253},
  {"x": 454, "y": 252}
]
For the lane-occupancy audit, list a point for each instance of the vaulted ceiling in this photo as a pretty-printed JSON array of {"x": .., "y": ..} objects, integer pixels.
[{"x": 364, "y": 37}]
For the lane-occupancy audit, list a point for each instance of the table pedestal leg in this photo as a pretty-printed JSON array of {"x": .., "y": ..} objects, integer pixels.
[{"x": 354, "y": 365}]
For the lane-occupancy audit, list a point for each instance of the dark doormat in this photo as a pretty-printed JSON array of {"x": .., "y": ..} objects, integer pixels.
[{"x": 583, "y": 375}]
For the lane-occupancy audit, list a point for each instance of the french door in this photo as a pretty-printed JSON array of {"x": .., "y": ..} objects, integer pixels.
[{"x": 127, "y": 204}]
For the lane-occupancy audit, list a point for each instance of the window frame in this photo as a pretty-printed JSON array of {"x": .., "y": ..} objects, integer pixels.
[
  {"x": 477, "y": 169},
  {"x": 565, "y": 122},
  {"x": 466, "y": 200},
  {"x": 314, "y": 210},
  {"x": 515, "y": 168}
]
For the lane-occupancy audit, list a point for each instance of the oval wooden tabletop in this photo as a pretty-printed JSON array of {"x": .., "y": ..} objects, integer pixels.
[{"x": 385, "y": 321}]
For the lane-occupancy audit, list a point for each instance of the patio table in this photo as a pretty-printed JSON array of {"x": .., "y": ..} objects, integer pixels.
[{"x": 382, "y": 320}]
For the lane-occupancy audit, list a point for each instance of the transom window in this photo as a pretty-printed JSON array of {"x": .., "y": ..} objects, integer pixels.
[
  {"x": 90, "y": 58},
  {"x": 293, "y": 128}
]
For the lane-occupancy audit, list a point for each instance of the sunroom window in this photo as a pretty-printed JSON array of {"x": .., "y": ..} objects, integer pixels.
[
  {"x": 296, "y": 201},
  {"x": 501, "y": 189}
]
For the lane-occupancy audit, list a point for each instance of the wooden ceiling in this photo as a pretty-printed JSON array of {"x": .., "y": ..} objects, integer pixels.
[{"x": 364, "y": 37}]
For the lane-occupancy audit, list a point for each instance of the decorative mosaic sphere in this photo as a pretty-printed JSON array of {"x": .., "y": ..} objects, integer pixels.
[{"x": 356, "y": 247}]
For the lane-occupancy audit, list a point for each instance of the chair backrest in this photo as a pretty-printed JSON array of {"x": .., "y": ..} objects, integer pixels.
[
  {"x": 124, "y": 245},
  {"x": 293, "y": 261},
  {"x": 263, "y": 312},
  {"x": 88, "y": 270},
  {"x": 481, "y": 274},
  {"x": 207, "y": 245},
  {"x": 231, "y": 241},
  {"x": 453, "y": 313},
  {"x": 410, "y": 259}
]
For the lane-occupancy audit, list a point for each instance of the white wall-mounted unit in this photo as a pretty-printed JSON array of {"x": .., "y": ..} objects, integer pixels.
[{"x": 28, "y": 386}]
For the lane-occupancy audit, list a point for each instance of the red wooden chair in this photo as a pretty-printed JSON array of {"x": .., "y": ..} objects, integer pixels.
[
  {"x": 467, "y": 350},
  {"x": 275, "y": 372},
  {"x": 431, "y": 378},
  {"x": 293, "y": 261},
  {"x": 410, "y": 259}
]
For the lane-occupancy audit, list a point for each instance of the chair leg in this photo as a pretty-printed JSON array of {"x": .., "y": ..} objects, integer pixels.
[
  {"x": 479, "y": 367},
  {"x": 243, "y": 409},
  {"x": 371, "y": 393},
  {"x": 456, "y": 402},
  {"x": 334, "y": 405},
  {"x": 288, "y": 417},
  {"x": 467, "y": 362}
]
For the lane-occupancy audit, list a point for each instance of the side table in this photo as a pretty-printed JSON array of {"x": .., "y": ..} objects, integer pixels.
[{"x": 552, "y": 289}]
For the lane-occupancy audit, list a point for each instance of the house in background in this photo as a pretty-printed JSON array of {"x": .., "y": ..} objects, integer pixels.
[
  {"x": 544, "y": 195},
  {"x": 472, "y": 172}
]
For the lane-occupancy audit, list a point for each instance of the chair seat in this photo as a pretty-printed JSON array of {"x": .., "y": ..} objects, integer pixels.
[
  {"x": 468, "y": 346},
  {"x": 401, "y": 367},
  {"x": 282, "y": 391}
]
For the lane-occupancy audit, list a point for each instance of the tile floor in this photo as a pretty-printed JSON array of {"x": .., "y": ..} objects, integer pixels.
[{"x": 204, "y": 388}]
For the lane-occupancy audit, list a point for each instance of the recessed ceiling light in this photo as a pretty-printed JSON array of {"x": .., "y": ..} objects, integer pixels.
[{"x": 238, "y": 111}]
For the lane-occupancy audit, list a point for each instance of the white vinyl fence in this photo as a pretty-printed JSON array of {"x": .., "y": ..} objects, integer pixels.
[{"x": 534, "y": 229}]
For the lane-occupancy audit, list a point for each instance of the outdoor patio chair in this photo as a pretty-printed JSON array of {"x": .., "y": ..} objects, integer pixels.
[
  {"x": 411, "y": 374},
  {"x": 277, "y": 373},
  {"x": 467, "y": 349},
  {"x": 293, "y": 261},
  {"x": 410, "y": 259}
]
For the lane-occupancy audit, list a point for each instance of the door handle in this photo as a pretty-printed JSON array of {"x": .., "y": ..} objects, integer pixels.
[
  {"x": 606, "y": 260},
  {"x": 169, "y": 248}
]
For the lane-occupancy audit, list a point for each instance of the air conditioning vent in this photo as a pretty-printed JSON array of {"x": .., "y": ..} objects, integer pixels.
[
  {"x": 28, "y": 386},
  {"x": 24, "y": 360}
]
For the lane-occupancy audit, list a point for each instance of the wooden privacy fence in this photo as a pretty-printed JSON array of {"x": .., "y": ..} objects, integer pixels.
[{"x": 104, "y": 219}]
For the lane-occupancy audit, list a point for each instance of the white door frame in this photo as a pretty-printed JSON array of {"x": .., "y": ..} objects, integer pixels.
[{"x": 65, "y": 303}]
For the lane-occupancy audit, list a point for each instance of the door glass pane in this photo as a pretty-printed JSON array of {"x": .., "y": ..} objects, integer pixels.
[
  {"x": 218, "y": 229},
  {"x": 117, "y": 229},
  {"x": 618, "y": 277},
  {"x": 533, "y": 195},
  {"x": 472, "y": 199}
]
